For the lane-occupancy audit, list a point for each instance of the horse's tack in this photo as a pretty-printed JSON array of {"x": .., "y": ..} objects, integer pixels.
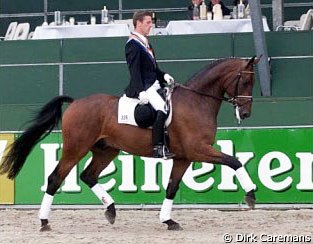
[{"x": 232, "y": 100}]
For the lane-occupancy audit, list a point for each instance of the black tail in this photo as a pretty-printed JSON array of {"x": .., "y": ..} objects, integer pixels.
[{"x": 47, "y": 118}]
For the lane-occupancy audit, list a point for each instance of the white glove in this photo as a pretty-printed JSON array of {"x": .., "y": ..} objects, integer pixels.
[
  {"x": 143, "y": 97},
  {"x": 169, "y": 79}
]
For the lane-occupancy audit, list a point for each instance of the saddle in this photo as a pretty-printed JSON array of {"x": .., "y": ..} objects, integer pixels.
[{"x": 130, "y": 112}]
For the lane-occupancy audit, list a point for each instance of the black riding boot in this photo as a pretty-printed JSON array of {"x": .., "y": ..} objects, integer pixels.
[{"x": 159, "y": 150}]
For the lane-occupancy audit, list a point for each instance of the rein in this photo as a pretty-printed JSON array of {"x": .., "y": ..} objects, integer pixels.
[{"x": 232, "y": 100}]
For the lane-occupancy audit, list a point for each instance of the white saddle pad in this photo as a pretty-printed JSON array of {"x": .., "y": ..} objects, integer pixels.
[{"x": 126, "y": 110}]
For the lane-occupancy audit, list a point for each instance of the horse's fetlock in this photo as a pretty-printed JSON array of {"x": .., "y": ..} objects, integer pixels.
[
  {"x": 52, "y": 183},
  {"x": 87, "y": 179}
]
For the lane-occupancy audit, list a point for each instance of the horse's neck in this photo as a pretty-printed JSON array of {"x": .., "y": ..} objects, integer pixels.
[{"x": 209, "y": 83}]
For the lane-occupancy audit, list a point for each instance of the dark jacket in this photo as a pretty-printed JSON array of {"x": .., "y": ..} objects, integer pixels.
[
  {"x": 236, "y": 2},
  {"x": 143, "y": 69}
]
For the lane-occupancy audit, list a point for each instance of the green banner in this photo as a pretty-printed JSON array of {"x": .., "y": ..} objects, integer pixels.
[{"x": 279, "y": 161}]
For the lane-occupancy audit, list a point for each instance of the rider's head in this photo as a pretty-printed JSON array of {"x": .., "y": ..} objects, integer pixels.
[{"x": 142, "y": 21}]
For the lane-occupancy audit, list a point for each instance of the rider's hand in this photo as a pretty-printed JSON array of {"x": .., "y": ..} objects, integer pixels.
[
  {"x": 143, "y": 97},
  {"x": 169, "y": 79}
]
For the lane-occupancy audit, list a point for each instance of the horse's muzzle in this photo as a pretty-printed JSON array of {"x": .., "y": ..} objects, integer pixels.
[{"x": 245, "y": 114}]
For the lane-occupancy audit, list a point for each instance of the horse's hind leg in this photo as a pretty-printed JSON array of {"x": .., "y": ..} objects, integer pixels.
[
  {"x": 100, "y": 160},
  {"x": 55, "y": 179},
  {"x": 178, "y": 170}
]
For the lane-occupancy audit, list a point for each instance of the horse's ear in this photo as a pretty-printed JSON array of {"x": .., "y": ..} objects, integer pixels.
[
  {"x": 253, "y": 61},
  {"x": 257, "y": 60}
]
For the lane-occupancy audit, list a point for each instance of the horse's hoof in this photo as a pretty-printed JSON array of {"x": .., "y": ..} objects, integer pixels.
[
  {"x": 45, "y": 228},
  {"x": 250, "y": 199},
  {"x": 44, "y": 225},
  {"x": 172, "y": 225},
  {"x": 110, "y": 214}
]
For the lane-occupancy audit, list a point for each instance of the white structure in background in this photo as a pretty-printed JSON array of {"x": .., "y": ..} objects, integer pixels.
[
  {"x": 305, "y": 23},
  {"x": 10, "y": 31},
  {"x": 17, "y": 31},
  {"x": 21, "y": 32}
]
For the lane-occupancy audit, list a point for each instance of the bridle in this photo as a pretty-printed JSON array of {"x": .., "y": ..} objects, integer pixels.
[{"x": 232, "y": 100}]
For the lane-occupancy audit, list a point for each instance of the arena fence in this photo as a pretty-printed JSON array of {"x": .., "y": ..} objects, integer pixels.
[{"x": 275, "y": 144}]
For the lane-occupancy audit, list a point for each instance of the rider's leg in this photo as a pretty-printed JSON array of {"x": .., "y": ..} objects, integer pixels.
[{"x": 158, "y": 104}]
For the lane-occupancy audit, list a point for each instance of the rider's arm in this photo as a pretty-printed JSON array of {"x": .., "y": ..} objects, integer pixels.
[{"x": 133, "y": 62}]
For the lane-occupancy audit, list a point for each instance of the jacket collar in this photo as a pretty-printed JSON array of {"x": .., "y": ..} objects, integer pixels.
[{"x": 141, "y": 38}]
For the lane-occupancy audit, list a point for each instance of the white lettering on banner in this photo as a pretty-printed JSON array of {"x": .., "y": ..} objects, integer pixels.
[
  {"x": 150, "y": 174},
  {"x": 107, "y": 171},
  {"x": 50, "y": 162},
  {"x": 3, "y": 144},
  {"x": 266, "y": 173},
  {"x": 228, "y": 174},
  {"x": 306, "y": 170},
  {"x": 128, "y": 174},
  {"x": 154, "y": 167},
  {"x": 191, "y": 174}
]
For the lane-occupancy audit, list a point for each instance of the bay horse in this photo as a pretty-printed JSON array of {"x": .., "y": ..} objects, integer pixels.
[{"x": 90, "y": 124}]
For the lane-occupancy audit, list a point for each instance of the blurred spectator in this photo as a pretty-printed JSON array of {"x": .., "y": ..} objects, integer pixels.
[
  {"x": 225, "y": 10},
  {"x": 194, "y": 4},
  {"x": 236, "y": 2},
  {"x": 211, "y": 3}
]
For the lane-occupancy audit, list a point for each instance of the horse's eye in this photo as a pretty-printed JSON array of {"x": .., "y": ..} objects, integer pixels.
[{"x": 245, "y": 82}]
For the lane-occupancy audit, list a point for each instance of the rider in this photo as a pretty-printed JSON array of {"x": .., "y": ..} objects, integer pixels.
[{"x": 146, "y": 78}]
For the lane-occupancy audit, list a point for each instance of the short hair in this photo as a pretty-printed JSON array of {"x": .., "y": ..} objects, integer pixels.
[{"x": 140, "y": 15}]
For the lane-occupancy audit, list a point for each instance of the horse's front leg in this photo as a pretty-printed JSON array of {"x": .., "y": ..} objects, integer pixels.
[
  {"x": 211, "y": 155},
  {"x": 178, "y": 170},
  {"x": 101, "y": 158}
]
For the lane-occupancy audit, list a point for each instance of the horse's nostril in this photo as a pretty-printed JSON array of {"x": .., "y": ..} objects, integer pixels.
[{"x": 245, "y": 115}]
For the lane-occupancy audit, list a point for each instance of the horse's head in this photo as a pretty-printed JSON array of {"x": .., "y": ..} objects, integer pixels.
[{"x": 240, "y": 88}]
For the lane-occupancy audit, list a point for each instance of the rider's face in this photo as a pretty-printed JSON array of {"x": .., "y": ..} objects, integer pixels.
[{"x": 144, "y": 27}]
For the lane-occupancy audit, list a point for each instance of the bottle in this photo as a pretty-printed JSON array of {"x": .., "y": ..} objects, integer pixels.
[
  {"x": 235, "y": 12},
  {"x": 209, "y": 15},
  {"x": 195, "y": 12},
  {"x": 57, "y": 18},
  {"x": 247, "y": 11},
  {"x": 217, "y": 12},
  {"x": 154, "y": 19},
  {"x": 92, "y": 20},
  {"x": 104, "y": 15},
  {"x": 241, "y": 10},
  {"x": 63, "y": 20},
  {"x": 72, "y": 20},
  {"x": 203, "y": 11}
]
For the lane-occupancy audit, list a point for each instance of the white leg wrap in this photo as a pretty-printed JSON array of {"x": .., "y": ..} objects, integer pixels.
[
  {"x": 45, "y": 206},
  {"x": 245, "y": 180},
  {"x": 104, "y": 197},
  {"x": 166, "y": 210}
]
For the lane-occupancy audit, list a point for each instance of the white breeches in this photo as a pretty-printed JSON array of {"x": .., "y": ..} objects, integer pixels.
[{"x": 155, "y": 99}]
